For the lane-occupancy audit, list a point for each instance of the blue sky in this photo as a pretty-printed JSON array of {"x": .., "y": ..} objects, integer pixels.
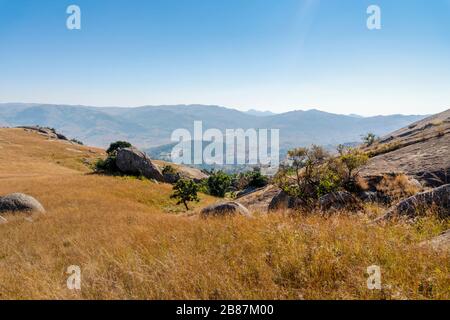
[{"x": 276, "y": 55}]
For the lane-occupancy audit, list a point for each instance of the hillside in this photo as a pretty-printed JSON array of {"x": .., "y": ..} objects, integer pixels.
[
  {"x": 151, "y": 126},
  {"x": 421, "y": 150},
  {"x": 132, "y": 242}
]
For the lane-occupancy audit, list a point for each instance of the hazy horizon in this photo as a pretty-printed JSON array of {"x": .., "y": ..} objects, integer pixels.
[{"x": 248, "y": 110}]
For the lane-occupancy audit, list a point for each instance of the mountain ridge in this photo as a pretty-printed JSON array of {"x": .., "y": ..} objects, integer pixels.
[{"x": 151, "y": 126}]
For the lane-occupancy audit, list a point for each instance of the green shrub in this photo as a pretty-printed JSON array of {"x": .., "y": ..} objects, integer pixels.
[
  {"x": 77, "y": 141},
  {"x": 329, "y": 182},
  {"x": 219, "y": 184},
  {"x": 250, "y": 179},
  {"x": 369, "y": 139},
  {"x": 168, "y": 169},
  {"x": 203, "y": 186},
  {"x": 107, "y": 165},
  {"x": 117, "y": 145},
  {"x": 256, "y": 179},
  {"x": 313, "y": 172}
]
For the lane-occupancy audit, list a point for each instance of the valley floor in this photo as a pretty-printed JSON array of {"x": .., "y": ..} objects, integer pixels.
[{"x": 132, "y": 242}]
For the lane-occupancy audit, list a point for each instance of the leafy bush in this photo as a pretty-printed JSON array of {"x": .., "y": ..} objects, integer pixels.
[
  {"x": 117, "y": 145},
  {"x": 329, "y": 182},
  {"x": 185, "y": 191},
  {"x": 250, "y": 179},
  {"x": 256, "y": 179},
  {"x": 107, "y": 165},
  {"x": 77, "y": 141},
  {"x": 168, "y": 169},
  {"x": 219, "y": 184},
  {"x": 313, "y": 172},
  {"x": 369, "y": 139}
]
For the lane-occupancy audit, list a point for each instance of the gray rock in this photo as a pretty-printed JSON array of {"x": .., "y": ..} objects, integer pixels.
[
  {"x": 368, "y": 196},
  {"x": 374, "y": 196},
  {"x": 225, "y": 209},
  {"x": 243, "y": 193},
  {"x": 260, "y": 199},
  {"x": 280, "y": 201},
  {"x": 136, "y": 162},
  {"x": 283, "y": 201},
  {"x": 412, "y": 207},
  {"x": 338, "y": 201},
  {"x": 182, "y": 172},
  {"x": 171, "y": 177},
  {"x": 45, "y": 131},
  {"x": 441, "y": 242},
  {"x": 19, "y": 202}
]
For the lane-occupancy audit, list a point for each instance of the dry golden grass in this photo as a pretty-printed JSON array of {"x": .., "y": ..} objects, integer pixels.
[
  {"x": 131, "y": 243},
  {"x": 397, "y": 187}
]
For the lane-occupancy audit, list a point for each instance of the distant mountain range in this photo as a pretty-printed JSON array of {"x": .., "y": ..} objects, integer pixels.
[
  {"x": 258, "y": 113},
  {"x": 151, "y": 126}
]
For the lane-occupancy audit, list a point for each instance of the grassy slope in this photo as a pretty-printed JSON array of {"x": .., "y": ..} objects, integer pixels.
[{"x": 130, "y": 243}]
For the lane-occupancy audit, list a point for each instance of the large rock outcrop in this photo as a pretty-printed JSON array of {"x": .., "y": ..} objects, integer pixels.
[
  {"x": 438, "y": 198},
  {"x": 269, "y": 198},
  {"x": 225, "y": 209},
  {"x": 135, "y": 162},
  {"x": 45, "y": 131},
  {"x": 180, "y": 172},
  {"x": 420, "y": 150},
  {"x": 19, "y": 202}
]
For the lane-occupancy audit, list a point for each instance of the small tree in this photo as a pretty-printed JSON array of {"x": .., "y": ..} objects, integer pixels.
[
  {"x": 185, "y": 191},
  {"x": 348, "y": 165},
  {"x": 117, "y": 145},
  {"x": 369, "y": 139}
]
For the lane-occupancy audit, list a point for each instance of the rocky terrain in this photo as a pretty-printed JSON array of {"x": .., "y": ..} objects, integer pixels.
[
  {"x": 417, "y": 155},
  {"x": 420, "y": 150}
]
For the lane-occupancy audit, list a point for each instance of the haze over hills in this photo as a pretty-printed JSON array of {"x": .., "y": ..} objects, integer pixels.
[
  {"x": 151, "y": 126},
  {"x": 260, "y": 113}
]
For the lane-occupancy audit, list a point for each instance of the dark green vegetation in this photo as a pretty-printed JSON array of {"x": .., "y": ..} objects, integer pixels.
[
  {"x": 108, "y": 165},
  {"x": 117, "y": 145}
]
